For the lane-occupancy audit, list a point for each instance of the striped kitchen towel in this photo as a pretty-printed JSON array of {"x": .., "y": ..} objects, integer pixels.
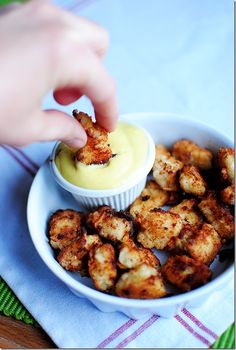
[{"x": 69, "y": 320}]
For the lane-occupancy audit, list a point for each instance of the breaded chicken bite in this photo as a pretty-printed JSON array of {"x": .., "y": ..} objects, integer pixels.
[
  {"x": 190, "y": 153},
  {"x": 177, "y": 245},
  {"x": 161, "y": 151},
  {"x": 185, "y": 273},
  {"x": 130, "y": 256},
  {"x": 142, "y": 282},
  {"x": 174, "y": 197},
  {"x": 102, "y": 267},
  {"x": 97, "y": 150},
  {"x": 64, "y": 227},
  {"x": 204, "y": 245},
  {"x": 200, "y": 243},
  {"x": 151, "y": 197},
  {"x": 225, "y": 157},
  {"x": 188, "y": 212},
  {"x": 218, "y": 216},
  {"x": 74, "y": 257},
  {"x": 158, "y": 227},
  {"x": 191, "y": 181},
  {"x": 165, "y": 169},
  {"x": 110, "y": 224},
  {"x": 227, "y": 195}
]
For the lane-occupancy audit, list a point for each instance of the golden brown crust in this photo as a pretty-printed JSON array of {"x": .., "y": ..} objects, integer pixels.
[
  {"x": 180, "y": 230},
  {"x": 151, "y": 197},
  {"x": 188, "y": 212},
  {"x": 161, "y": 151},
  {"x": 177, "y": 245},
  {"x": 185, "y": 273},
  {"x": 218, "y": 216},
  {"x": 204, "y": 244},
  {"x": 130, "y": 256},
  {"x": 225, "y": 157},
  {"x": 75, "y": 255},
  {"x": 142, "y": 282},
  {"x": 165, "y": 169},
  {"x": 190, "y": 153},
  {"x": 191, "y": 181},
  {"x": 174, "y": 197},
  {"x": 97, "y": 149},
  {"x": 110, "y": 224},
  {"x": 102, "y": 267},
  {"x": 158, "y": 227},
  {"x": 64, "y": 227},
  {"x": 227, "y": 195}
]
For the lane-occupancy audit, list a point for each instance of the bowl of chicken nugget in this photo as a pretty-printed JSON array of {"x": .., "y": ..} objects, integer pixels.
[{"x": 171, "y": 246}]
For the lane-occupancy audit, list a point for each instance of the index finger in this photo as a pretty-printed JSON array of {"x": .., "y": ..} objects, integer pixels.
[{"x": 87, "y": 74}]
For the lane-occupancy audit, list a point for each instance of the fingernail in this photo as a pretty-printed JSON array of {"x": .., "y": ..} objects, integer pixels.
[{"x": 76, "y": 143}]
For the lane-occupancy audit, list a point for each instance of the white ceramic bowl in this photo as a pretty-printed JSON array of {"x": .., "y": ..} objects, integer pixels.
[
  {"x": 118, "y": 198},
  {"x": 46, "y": 197}
]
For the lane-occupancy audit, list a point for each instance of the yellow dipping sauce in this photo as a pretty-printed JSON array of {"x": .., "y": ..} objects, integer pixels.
[{"x": 130, "y": 145}]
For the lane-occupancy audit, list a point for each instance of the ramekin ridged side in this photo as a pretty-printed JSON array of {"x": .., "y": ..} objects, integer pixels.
[{"x": 118, "y": 201}]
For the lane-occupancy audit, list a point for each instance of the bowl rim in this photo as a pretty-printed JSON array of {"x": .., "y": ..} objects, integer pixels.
[
  {"x": 93, "y": 294},
  {"x": 134, "y": 179}
]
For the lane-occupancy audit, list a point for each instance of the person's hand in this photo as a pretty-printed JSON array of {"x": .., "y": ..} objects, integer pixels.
[{"x": 42, "y": 48}]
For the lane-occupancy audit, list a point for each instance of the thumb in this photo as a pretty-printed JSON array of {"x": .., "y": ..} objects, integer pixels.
[{"x": 56, "y": 125}]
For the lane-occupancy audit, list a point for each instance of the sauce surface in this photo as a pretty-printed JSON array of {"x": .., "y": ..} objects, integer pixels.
[{"x": 129, "y": 145}]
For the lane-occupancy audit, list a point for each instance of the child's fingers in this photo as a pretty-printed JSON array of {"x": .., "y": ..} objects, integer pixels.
[
  {"x": 88, "y": 75},
  {"x": 89, "y": 33},
  {"x": 56, "y": 125},
  {"x": 83, "y": 30},
  {"x": 67, "y": 95}
]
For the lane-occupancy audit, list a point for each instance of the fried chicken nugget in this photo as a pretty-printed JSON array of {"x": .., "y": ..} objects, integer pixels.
[
  {"x": 191, "y": 181},
  {"x": 188, "y": 212},
  {"x": 190, "y": 153},
  {"x": 218, "y": 216},
  {"x": 74, "y": 256},
  {"x": 130, "y": 256},
  {"x": 102, "y": 266},
  {"x": 185, "y": 273},
  {"x": 162, "y": 151},
  {"x": 174, "y": 197},
  {"x": 200, "y": 243},
  {"x": 227, "y": 195},
  {"x": 151, "y": 197},
  {"x": 165, "y": 169},
  {"x": 158, "y": 227},
  {"x": 204, "y": 244},
  {"x": 192, "y": 220},
  {"x": 177, "y": 244},
  {"x": 225, "y": 157},
  {"x": 97, "y": 149},
  {"x": 142, "y": 282},
  {"x": 64, "y": 227},
  {"x": 110, "y": 224}
]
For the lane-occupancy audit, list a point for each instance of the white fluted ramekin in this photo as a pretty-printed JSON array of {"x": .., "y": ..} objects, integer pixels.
[{"x": 118, "y": 198}]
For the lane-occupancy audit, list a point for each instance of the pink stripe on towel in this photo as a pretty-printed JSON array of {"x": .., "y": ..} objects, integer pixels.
[
  {"x": 199, "y": 323},
  {"x": 26, "y": 157},
  {"x": 116, "y": 333},
  {"x": 139, "y": 331},
  {"x": 18, "y": 160},
  {"x": 192, "y": 331}
]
